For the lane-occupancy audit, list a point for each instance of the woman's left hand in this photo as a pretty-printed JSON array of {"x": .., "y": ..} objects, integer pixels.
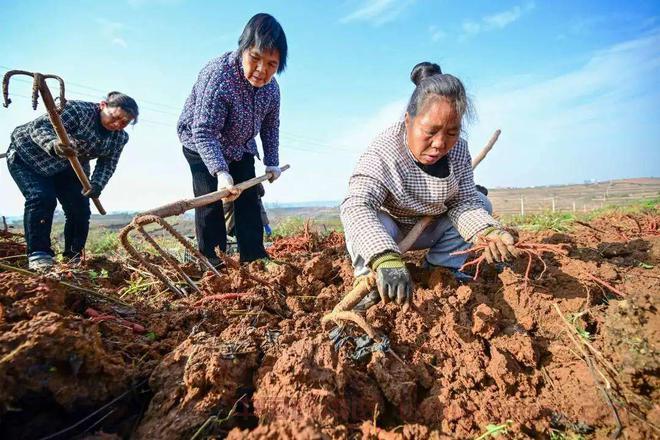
[
  {"x": 500, "y": 245},
  {"x": 274, "y": 172}
]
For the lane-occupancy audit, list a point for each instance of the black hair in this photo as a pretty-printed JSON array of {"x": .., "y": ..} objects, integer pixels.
[
  {"x": 124, "y": 102},
  {"x": 424, "y": 70},
  {"x": 264, "y": 33},
  {"x": 439, "y": 85}
]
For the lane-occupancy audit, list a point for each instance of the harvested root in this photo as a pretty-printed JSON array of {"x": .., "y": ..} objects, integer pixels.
[
  {"x": 218, "y": 297},
  {"x": 531, "y": 250},
  {"x": 604, "y": 284},
  {"x": 347, "y": 315}
]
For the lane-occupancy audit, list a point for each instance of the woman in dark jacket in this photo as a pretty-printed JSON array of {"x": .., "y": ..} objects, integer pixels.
[
  {"x": 234, "y": 99},
  {"x": 38, "y": 164}
]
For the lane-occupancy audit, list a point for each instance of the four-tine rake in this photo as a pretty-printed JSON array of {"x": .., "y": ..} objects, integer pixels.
[{"x": 158, "y": 215}]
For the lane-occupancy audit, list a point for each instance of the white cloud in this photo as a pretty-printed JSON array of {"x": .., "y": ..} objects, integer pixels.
[
  {"x": 111, "y": 30},
  {"x": 117, "y": 41},
  {"x": 496, "y": 21},
  {"x": 596, "y": 121},
  {"x": 436, "y": 33},
  {"x": 377, "y": 12}
]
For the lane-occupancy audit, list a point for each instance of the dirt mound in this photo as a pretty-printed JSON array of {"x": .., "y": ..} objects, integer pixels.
[
  {"x": 303, "y": 430},
  {"x": 11, "y": 244},
  {"x": 197, "y": 380},
  {"x": 248, "y": 358}
]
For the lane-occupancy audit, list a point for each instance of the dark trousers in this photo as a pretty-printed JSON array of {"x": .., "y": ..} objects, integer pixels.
[
  {"x": 210, "y": 221},
  {"x": 41, "y": 195}
]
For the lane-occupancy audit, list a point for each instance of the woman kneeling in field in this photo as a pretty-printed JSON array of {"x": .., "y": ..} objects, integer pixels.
[{"x": 418, "y": 167}]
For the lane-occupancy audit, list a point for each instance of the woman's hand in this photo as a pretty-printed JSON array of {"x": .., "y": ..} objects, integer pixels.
[
  {"x": 274, "y": 173},
  {"x": 500, "y": 244},
  {"x": 63, "y": 150},
  {"x": 225, "y": 181},
  {"x": 392, "y": 278}
]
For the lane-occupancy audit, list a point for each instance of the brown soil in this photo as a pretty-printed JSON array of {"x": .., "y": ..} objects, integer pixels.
[{"x": 259, "y": 365}]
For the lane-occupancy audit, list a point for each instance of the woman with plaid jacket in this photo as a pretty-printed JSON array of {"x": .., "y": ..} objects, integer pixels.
[
  {"x": 38, "y": 164},
  {"x": 418, "y": 167}
]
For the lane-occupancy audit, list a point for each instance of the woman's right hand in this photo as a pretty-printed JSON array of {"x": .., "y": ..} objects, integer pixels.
[
  {"x": 225, "y": 181},
  {"x": 500, "y": 245}
]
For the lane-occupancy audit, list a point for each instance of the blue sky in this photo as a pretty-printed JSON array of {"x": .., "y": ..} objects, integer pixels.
[{"x": 574, "y": 86}]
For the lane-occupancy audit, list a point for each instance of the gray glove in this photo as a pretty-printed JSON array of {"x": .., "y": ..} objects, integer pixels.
[{"x": 392, "y": 278}]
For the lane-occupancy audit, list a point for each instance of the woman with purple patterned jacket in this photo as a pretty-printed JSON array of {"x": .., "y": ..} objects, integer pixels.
[{"x": 235, "y": 98}]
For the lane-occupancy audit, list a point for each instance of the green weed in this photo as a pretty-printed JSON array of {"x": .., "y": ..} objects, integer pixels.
[{"x": 493, "y": 431}]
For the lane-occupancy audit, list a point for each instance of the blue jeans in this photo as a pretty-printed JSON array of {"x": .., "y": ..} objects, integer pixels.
[
  {"x": 441, "y": 239},
  {"x": 41, "y": 195}
]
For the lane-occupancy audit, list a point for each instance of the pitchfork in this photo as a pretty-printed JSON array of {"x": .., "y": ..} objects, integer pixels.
[
  {"x": 39, "y": 86},
  {"x": 158, "y": 215}
]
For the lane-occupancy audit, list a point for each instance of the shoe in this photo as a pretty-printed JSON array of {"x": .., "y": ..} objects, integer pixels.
[
  {"x": 40, "y": 261},
  {"x": 215, "y": 262}
]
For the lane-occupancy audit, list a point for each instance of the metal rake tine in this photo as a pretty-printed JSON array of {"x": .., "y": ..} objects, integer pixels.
[
  {"x": 5, "y": 85},
  {"x": 123, "y": 239},
  {"x": 62, "y": 102},
  {"x": 182, "y": 240},
  {"x": 170, "y": 260}
]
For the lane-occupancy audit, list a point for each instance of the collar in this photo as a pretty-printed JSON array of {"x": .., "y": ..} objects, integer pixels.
[{"x": 238, "y": 70}]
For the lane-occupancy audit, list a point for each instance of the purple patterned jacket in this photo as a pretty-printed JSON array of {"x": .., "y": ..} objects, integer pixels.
[{"x": 224, "y": 113}]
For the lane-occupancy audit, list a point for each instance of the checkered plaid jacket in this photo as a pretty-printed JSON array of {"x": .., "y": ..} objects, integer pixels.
[
  {"x": 386, "y": 177},
  {"x": 81, "y": 120}
]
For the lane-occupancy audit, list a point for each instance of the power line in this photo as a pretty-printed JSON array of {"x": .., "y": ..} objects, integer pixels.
[
  {"x": 295, "y": 137},
  {"x": 103, "y": 92}
]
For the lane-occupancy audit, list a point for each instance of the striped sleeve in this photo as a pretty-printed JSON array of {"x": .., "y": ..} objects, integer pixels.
[{"x": 359, "y": 211}]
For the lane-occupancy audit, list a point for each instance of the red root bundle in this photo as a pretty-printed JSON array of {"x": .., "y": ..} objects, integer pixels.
[{"x": 531, "y": 250}]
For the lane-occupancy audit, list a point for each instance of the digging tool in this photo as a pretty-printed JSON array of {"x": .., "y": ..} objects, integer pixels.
[
  {"x": 158, "y": 215},
  {"x": 39, "y": 86},
  {"x": 489, "y": 146}
]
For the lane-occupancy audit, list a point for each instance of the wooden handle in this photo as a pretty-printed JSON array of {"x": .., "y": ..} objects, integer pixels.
[
  {"x": 182, "y": 206},
  {"x": 410, "y": 239},
  {"x": 64, "y": 138},
  {"x": 479, "y": 157}
]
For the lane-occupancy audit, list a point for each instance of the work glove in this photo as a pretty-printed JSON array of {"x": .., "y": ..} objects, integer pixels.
[
  {"x": 392, "y": 278},
  {"x": 500, "y": 244},
  {"x": 227, "y": 182},
  {"x": 275, "y": 173},
  {"x": 63, "y": 150},
  {"x": 93, "y": 192}
]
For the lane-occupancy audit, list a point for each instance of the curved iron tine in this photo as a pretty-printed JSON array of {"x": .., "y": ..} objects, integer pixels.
[
  {"x": 35, "y": 90},
  {"x": 5, "y": 84},
  {"x": 62, "y": 103}
]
